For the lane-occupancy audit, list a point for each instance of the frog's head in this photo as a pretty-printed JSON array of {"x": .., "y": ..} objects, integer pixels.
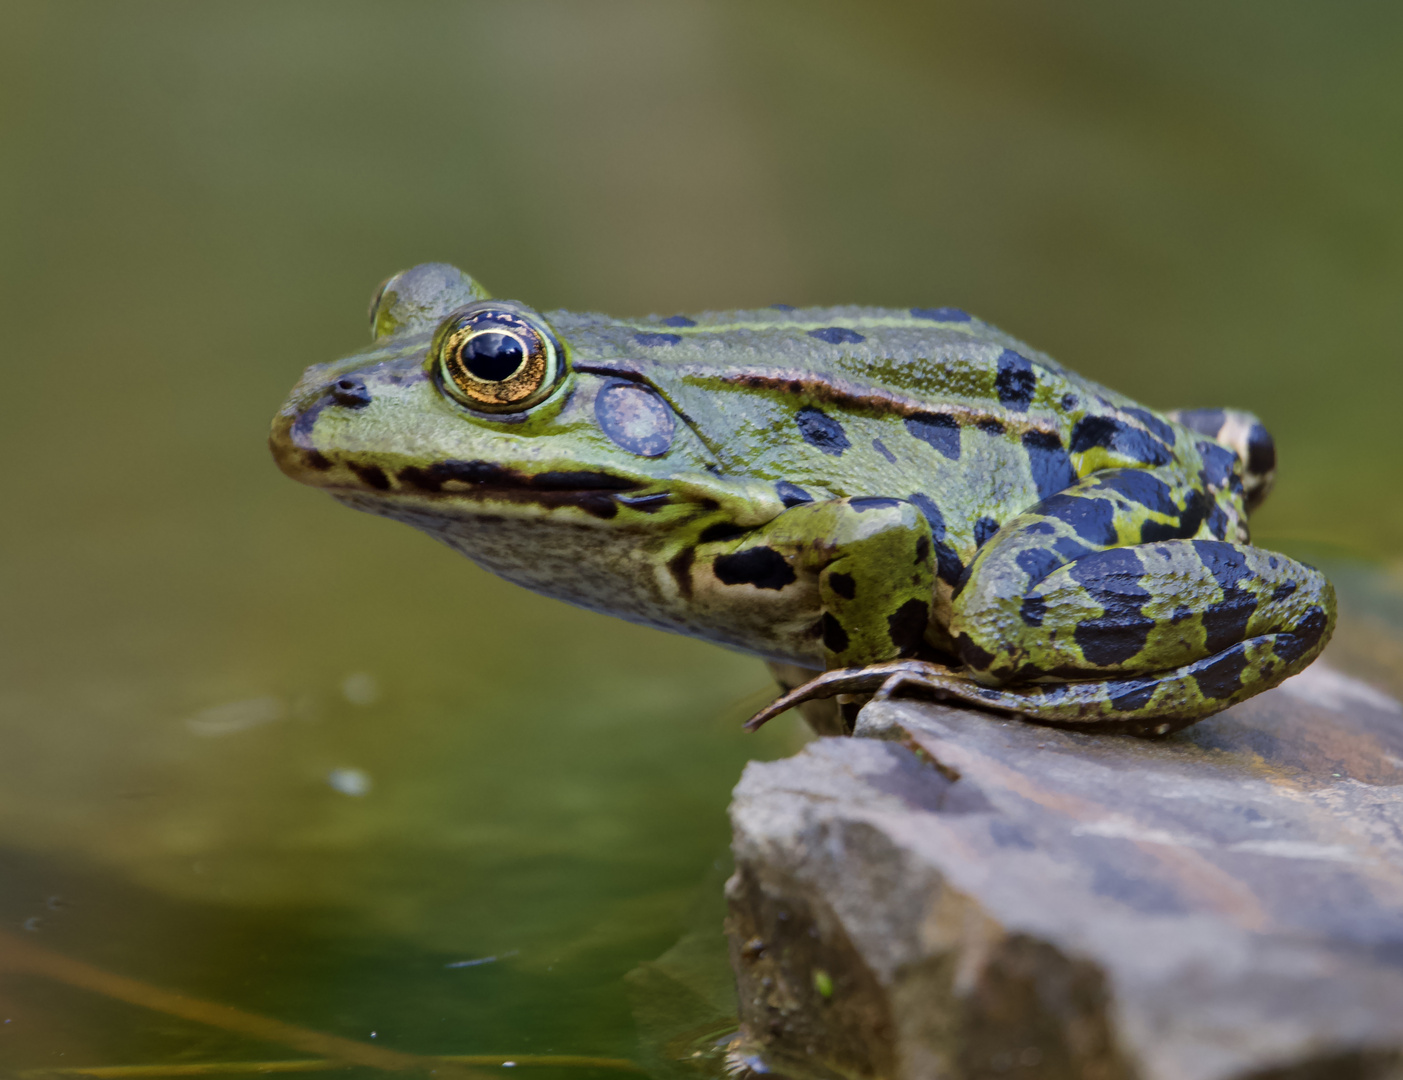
[{"x": 468, "y": 408}]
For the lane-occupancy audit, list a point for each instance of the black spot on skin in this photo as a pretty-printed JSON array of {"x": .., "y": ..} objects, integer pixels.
[
  {"x": 372, "y": 475},
  {"x": 922, "y": 550},
  {"x": 1182, "y": 612},
  {"x": 1218, "y": 463},
  {"x": 317, "y": 460},
  {"x": 1092, "y": 519},
  {"x": 1261, "y": 451},
  {"x": 821, "y": 430},
  {"x": 863, "y": 503},
  {"x": 1281, "y": 592},
  {"x": 990, "y": 427},
  {"x": 835, "y": 638},
  {"x": 1220, "y": 676},
  {"x": 763, "y": 567},
  {"x": 1225, "y": 562},
  {"x": 1154, "y": 531},
  {"x": 837, "y": 335},
  {"x": 1113, "y": 580},
  {"x": 580, "y": 480},
  {"x": 1026, "y": 672},
  {"x": 597, "y": 504},
  {"x": 937, "y": 430},
  {"x": 350, "y": 393},
  {"x": 423, "y": 479},
  {"x": 1271, "y": 561},
  {"x": 1131, "y": 694},
  {"x": 679, "y": 320},
  {"x": 1304, "y": 637},
  {"x": 843, "y": 584},
  {"x": 722, "y": 530},
  {"x": 1225, "y": 623},
  {"x": 1037, "y": 563},
  {"x": 1069, "y": 549},
  {"x": 1033, "y": 610},
  {"x": 940, "y": 314},
  {"x": 1093, "y": 431},
  {"x": 1186, "y": 526},
  {"x": 1069, "y": 402},
  {"x": 1218, "y": 522},
  {"x": 1049, "y": 463},
  {"x": 947, "y": 564},
  {"x": 1015, "y": 381},
  {"x": 907, "y": 626},
  {"x": 680, "y": 567},
  {"x": 1041, "y": 528},
  {"x": 486, "y": 473},
  {"x": 467, "y": 472},
  {"x": 878, "y": 446},
  {"x": 657, "y": 339},
  {"x": 973, "y": 655},
  {"x": 1116, "y": 435},
  {"x": 1205, "y": 421},
  {"x": 1141, "y": 487},
  {"x": 926, "y": 505},
  {"x": 1161, "y": 430},
  {"x": 984, "y": 530},
  {"x": 792, "y": 494},
  {"x": 648, "y": 504},
  {"x": 948, "y": 567}
]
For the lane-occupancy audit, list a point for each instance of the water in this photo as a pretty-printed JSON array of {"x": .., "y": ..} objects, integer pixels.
[{"x": 273, "y": 754}]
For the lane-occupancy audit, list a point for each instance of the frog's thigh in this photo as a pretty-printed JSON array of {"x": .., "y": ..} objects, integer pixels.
[
  {"x": 1000, "y": 627},
  {"x": 1149, "y": 608},
  {"x": 873, "y": 561}
]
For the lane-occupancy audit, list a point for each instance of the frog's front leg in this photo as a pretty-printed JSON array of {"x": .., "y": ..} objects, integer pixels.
[{"x": 870, "y": 558}]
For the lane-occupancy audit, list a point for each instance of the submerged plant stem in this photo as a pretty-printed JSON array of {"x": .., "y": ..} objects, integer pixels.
[{"x": 18, "y": 955}]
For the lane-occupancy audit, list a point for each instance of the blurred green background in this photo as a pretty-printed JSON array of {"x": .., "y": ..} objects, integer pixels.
[{"x": 265, "y": 750}]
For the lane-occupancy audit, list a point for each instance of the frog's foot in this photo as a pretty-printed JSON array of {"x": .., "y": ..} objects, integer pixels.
[
  {"x": 1152, "y": 704},
  {"x": 879, "y": 680}
]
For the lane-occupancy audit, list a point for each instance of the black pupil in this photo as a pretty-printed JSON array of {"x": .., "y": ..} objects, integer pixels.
[{"x": 492, "y": 357}]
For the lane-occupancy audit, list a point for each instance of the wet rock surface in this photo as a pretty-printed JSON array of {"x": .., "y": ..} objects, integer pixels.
[{"x": 963, "y": 895}]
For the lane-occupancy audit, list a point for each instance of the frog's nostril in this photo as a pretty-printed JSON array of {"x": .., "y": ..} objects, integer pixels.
[{"x": 350, "y": 393}]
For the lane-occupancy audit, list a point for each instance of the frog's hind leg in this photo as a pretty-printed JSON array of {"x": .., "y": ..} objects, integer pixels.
[
  {"x": 1151, "y": 638},
  {"x": 1066, "y": 618},
  {"x": 1145, "y": 705}
]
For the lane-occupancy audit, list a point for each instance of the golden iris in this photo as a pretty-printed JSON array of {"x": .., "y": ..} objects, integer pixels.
[{"x": 496, "y": 359}]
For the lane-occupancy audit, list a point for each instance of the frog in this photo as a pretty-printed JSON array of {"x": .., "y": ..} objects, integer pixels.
[{"x": 889, "y": 502}]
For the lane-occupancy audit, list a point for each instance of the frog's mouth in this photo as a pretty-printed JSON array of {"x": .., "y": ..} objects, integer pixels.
[{"x": 474, "y": 485}]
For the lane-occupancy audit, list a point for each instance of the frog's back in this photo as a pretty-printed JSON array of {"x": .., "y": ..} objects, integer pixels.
[{"x": 929, "y": 405}]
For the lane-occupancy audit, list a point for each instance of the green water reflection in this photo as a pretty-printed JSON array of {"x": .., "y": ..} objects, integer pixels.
[{"x": 273, "y": 753}]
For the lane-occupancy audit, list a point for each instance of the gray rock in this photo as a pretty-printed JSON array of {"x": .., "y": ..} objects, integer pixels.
[{"x": 963, "y": 895}]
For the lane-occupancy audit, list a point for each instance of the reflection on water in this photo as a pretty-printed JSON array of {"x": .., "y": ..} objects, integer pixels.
[{"x": 304, "y": 764}]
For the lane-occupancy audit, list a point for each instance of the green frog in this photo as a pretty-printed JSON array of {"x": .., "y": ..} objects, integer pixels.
[{"x": 891, "y": 500}]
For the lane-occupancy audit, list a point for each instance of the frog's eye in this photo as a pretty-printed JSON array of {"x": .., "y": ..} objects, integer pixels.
[{"x": 497, "y": 358}]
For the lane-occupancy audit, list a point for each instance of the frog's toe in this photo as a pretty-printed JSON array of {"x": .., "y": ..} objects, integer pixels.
[{"x": 849, "y": 680}]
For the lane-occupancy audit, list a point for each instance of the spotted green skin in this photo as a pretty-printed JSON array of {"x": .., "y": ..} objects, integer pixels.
[{"x": 893, "y": 496}]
